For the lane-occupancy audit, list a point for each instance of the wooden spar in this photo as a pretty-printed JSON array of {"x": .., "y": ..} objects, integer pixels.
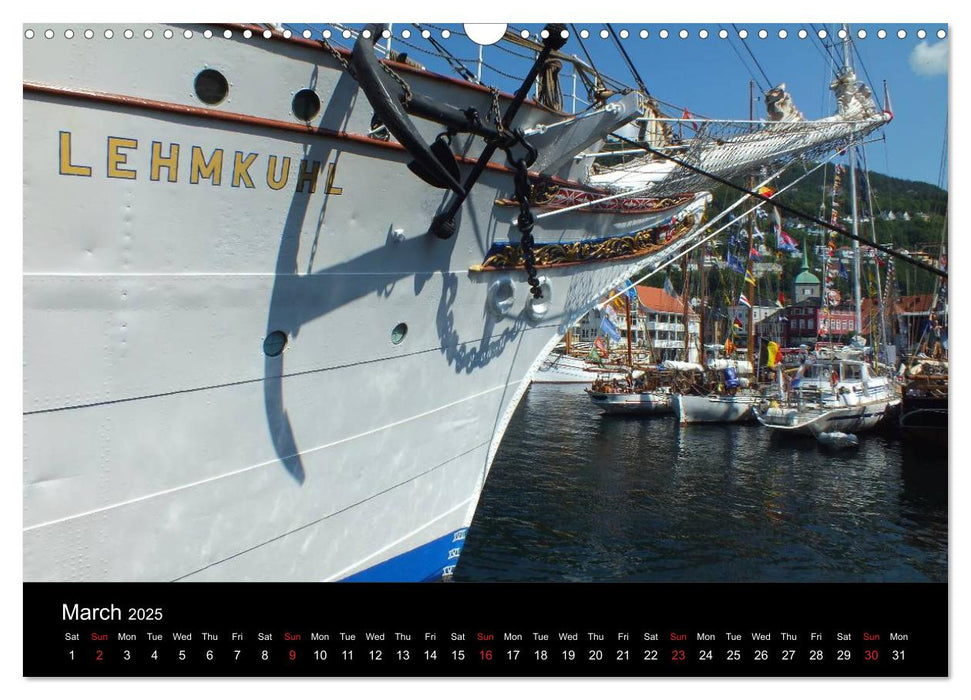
[
  {"x": 630, "y": 333},
  {"x": 751, "y": 239},
  {"x": 684, "y": 307},
  {"x": 703, "y": 284}
]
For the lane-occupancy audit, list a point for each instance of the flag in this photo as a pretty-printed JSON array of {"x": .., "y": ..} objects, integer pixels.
[
  {"x": 600, "y": 346},
  {"x": 781, "y": 301},
  {"x": 783, "y": 241},
  {"x": 773, "y": 352},
  {"x": 766, "y": 191},
  {"x": 749, "y": 279},
  {"x": 609, "y": 329},
  {"x": 729, "y": 346},
  {"x": 754, "y": 254},
  {"x": 631, "y": 291},
  {"x": 734, "y": 263},
  {"x": 743, "y": 300},
  {"x": 687, "y": 115},
  {"x": 668, "y": 287},
  {"x": 843, "y": 273}
]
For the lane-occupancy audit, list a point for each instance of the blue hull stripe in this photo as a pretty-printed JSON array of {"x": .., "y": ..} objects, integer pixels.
[{"x": 429, "y": 562}]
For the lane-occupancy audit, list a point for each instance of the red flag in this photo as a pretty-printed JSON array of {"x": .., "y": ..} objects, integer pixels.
[
  {"x": 687, "y": 115},
  {"x": 601, "y": 348}
]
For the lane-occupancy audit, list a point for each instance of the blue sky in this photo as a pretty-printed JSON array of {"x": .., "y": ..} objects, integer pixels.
[{"x": 708, "y": 77}]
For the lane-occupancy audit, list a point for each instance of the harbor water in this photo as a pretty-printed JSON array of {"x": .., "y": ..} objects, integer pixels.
[{"x": 574, "y": 495}]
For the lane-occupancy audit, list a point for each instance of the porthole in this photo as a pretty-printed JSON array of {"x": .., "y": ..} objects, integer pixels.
[
  {"x": 398, "y": 333},
  {"x": 274, "y": 343},
  {"x": 211, "y": 86},
  {"x": 306, "y": 105}
]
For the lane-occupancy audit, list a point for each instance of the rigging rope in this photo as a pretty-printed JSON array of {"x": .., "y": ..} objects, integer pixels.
[
  {"x": 455, "y": 63},
  {"x": 741, "y": 59},
  {"x": 786, "y": 208},
  {"x": 757, "y": 64},
  {"x": 710, "y": 223},
  {"x": 630, "y": 64}
]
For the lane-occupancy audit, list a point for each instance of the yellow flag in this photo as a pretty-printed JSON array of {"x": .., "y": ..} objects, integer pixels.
[{"x": 773, "y": 348}]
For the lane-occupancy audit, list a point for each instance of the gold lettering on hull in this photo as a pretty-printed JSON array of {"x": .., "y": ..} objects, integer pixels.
[
  {"x": 122, "y": 162},
  {"x": 169, "y": 162},
  {"x": 64, "y": 154},
  {"x": 117, "y": 158}
]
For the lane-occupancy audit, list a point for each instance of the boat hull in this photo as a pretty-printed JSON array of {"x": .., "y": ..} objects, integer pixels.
[
  {"x": 713, "y": 409},
  {"x": 566, "y": 369},
  {"x": 649, "y": 402},
  {"x": 848, "y": 419},
  {"x": 244, "y": 358},
  {"x": 924, "y": 421}
]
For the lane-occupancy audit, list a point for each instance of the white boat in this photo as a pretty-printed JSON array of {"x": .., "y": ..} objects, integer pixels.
[
  {"x": 644, "y": 401},
  {"x": 830, "y": 395},
  {"x": 257, "y": 347},
  {"x": 714, "y": 408},
  {"x": 723, "y": 393},
  {"x": 560, "y": 368}
]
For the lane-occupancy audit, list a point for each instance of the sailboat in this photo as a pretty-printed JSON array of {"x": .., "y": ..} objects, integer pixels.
[
  {"x": 725, "y": 392},
  {"x": 645, "y": 390},
  {"x": 924, "y": 404},
  {"x": 831, "y": 392},
  {"x": 835, "y": 390},
  {"x": 568, "y": 364}
]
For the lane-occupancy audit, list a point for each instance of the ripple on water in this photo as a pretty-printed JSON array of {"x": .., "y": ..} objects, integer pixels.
[{"x": 576, "y": 496}]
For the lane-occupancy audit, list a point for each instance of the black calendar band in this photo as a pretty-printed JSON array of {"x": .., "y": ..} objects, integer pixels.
[{"x": 501, "y": 630}]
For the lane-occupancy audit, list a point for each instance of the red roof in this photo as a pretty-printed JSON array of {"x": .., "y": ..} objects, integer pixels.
[
  {"x": 918, "y": 303},
  {"x": 656, "y": 299},
  {"x": 914, "y": 304}
]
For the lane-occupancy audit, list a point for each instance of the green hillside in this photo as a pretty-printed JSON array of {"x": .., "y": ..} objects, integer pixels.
[{"x": 924, "y": 203}]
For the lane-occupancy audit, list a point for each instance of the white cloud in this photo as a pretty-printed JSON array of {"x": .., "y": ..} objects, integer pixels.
[{"x": 929, "y": 59}]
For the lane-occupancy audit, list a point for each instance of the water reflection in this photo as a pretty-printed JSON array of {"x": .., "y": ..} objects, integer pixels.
[{"x": 576, "y": 496}]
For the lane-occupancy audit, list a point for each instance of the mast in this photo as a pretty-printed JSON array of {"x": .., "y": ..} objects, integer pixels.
[
  {"x": 848, "y": 68},
  {"x": 881, "y": 334},
  {"x": 684, "y": 307},
  {"x": 751, "y": 239},
  {"x": 703, "y": 284},
  {"x": 630, "y": 333}
]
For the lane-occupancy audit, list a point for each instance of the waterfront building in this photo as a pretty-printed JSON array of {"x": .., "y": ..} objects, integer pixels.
[{"x": 657, "y": 324}]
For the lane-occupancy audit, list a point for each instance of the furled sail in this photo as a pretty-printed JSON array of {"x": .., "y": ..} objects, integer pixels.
[{"x": 732, "y": 149}]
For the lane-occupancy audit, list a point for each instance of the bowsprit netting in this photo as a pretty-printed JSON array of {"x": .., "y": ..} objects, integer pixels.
[{"x": 731, "y": 149}]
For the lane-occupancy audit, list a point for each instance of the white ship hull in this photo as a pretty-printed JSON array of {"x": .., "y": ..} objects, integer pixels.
[
  {"x": 161, "y": 442},
  {"x": 713, "y": 409}
]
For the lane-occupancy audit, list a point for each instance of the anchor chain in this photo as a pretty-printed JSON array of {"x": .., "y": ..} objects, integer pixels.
[
  {"x": 337, "y": 55},
  {"x": 406, "y": 89},
  {"x": 525, "y": 221},
  {"x": 495, "y": 113}
]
